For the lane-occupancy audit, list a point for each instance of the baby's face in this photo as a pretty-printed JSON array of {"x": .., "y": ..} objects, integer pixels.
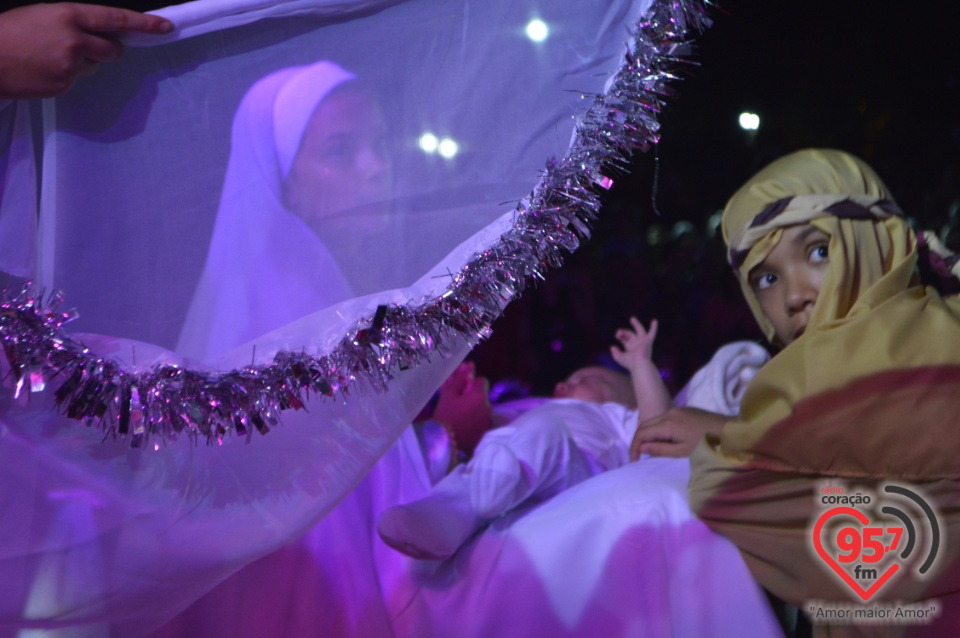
[
  {"x": 787, "y": 283},
  {"x": 596, "y": 385}
]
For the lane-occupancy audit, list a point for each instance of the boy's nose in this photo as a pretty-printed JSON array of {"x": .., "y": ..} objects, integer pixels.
[
  {"x": 561, "y": 390},
  {"x": 800, "y": 293}
]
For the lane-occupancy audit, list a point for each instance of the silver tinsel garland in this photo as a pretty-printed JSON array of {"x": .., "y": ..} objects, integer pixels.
[{"x": 171, "y": 400}]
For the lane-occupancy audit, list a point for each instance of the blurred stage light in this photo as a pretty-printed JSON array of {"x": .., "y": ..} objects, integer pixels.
[
  {"x": 428, "y": 143},
  {"x": 537, "y": 30},
  {"x": 448, "y": 148},
  {"x": 749, "y": 121}
]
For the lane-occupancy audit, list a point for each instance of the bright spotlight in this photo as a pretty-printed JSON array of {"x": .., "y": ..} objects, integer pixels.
[
  {"x": 537, "y": 30},
  {"x": 448, "y": 148},
  {"x": 749, "y": 121},
  {"x": 428, "y": 143}
]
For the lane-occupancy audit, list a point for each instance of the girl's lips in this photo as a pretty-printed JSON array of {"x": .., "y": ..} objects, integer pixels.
[{"x": 796, "y": 335}]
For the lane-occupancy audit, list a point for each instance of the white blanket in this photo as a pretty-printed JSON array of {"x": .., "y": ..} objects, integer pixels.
[{"x": 618, "y": 555}]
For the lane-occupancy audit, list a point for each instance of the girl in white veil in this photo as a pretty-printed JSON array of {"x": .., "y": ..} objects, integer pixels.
[
  {"x": 306, "y": 145},
  {"x": 307, "y": 161}
]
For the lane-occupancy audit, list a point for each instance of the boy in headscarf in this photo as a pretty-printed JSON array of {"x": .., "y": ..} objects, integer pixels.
[{"x": 864, "y": 390}]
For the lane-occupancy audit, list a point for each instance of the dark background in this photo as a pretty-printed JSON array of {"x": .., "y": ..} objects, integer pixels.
[{"x": 877, "y": 78}]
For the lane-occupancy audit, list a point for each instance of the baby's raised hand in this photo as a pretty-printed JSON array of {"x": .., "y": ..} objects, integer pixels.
[{"x": 636, "y": 343}]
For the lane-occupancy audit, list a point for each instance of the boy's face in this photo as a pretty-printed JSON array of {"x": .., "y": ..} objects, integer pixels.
[{"x": 788, "y": 281}]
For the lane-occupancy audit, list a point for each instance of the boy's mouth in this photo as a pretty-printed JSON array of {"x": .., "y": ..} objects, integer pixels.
[{"x": 798, "y": 333}]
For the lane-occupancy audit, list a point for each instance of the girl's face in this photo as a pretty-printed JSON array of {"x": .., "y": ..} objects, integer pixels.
[
  {"x": 342, "y": 165},
  {"x": 788, "y": 281}
]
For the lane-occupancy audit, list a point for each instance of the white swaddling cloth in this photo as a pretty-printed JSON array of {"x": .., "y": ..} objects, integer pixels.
[{"x": 719, "y": 385}]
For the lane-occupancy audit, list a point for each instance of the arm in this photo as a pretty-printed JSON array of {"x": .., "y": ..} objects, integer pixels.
[
  {"x": 675, "y": 433},
  {"x": 44, "y": 48},
  {"x": 653, "y": 399}
]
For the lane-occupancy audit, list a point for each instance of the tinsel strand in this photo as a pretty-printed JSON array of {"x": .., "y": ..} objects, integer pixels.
[{"x": 171, "y": 401}]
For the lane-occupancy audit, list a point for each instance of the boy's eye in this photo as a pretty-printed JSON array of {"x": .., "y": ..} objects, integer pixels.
[
  {"x": 764, "y": 281},
  {"x": 819, "y": 254}
]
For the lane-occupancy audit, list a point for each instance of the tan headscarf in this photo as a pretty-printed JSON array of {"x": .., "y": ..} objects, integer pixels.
[{"x": 868, "y": 393}]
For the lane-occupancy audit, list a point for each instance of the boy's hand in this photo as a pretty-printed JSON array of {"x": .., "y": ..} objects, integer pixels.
[
  {"x": 675, "y": 433},
  {"x": 44, "y": 48},
  {"x": 637, "y": 344},
  {"x": 464, "y": 406}
]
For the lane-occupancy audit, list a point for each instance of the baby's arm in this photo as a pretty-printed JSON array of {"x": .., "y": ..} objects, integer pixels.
[{"x": 652, "y": 396}]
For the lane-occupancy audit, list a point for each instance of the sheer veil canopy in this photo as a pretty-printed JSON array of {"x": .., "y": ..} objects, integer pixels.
[{"x": 267, "y": 179}]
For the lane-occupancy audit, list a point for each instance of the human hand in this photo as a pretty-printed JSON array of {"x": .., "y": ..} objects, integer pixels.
[
  {"x": 464, "y": 406},
  {"x": 637, "y": 344},
  {"x": 44, "y": 48},
  {"x": 675, "y": 433}
]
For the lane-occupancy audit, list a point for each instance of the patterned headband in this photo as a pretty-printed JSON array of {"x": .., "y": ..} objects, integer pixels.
[{"x": 800, "y": 209}]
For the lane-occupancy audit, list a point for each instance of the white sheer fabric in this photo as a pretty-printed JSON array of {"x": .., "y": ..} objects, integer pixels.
[{"x": 116, "y": 194}]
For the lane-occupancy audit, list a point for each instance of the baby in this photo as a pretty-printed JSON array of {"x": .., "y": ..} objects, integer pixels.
[{"x": 586, "y": 430}]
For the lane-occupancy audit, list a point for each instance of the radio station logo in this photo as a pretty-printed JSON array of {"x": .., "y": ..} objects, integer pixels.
[{"x": 866, "y": 543}]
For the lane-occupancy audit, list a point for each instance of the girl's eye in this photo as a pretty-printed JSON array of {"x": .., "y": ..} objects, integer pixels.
[
  {"x": 340, "y": 153},
  {"x": 764, "y": 281},
  {"x": 819, "y": 254}
]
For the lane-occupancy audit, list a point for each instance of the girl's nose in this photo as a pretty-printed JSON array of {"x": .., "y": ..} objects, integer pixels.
[{"x": 372, "y": 161}]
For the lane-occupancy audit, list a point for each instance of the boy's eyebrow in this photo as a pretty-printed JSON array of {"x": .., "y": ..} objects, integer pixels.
[{"x": 802, "y": 236}]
